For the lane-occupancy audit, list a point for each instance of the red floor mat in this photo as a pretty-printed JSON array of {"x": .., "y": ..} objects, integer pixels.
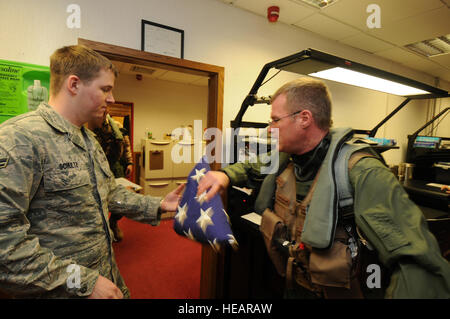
[{"x": 157, "y": 263}]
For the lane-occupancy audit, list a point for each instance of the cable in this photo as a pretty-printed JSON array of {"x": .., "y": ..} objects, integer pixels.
[
  {"x": 270, "y": 78},
  {"x": 436, "y": 126}
]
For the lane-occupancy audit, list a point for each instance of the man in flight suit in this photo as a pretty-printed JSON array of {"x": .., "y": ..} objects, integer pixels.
[
  {"x": 322, "y": 258},
  {"x": 56, "y": 189}
]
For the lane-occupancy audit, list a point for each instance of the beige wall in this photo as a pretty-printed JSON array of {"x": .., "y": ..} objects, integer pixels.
[
  {"x": 161, "y": 106},
  {"x": 443, "y": 123}
]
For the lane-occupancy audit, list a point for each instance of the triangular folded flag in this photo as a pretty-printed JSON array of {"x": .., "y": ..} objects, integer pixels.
[{"x": 200, "y": 220}]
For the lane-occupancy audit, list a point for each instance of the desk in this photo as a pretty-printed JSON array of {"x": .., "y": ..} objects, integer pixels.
[
  {"x": 427, "y": 196},
  {"x": 435, "y": 205},
  {"x": 249, "y": 272}
]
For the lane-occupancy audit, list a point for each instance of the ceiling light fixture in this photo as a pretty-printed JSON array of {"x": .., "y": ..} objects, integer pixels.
[
  {"x": 367, "y": 81},
  {"x": 141, "y": 69},
  {"x": 431, "y": 47},
  {"x": 323, "y": 65}
]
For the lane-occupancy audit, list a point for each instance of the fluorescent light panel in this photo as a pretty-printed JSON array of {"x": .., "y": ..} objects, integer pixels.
[
  {"x": 321, "y": 4},
  {"x": 339, "y": 74},
  {"x": 432, "y": 47}
]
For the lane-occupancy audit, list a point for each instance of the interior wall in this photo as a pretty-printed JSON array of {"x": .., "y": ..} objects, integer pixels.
[
  {"x": 215, "y": 33},
  {"x": 161, "y": 106},
  {"x": 442, "y": 124}
]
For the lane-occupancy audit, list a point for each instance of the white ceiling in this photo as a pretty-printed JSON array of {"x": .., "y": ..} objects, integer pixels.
[
  {"x": 402, "y": 22},
  {"x": 161, "y": 74}
]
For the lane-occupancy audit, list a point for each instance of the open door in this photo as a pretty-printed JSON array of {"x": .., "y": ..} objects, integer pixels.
[{"x": 123, "y": 113}]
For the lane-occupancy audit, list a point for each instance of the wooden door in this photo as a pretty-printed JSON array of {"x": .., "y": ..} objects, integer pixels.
[{"x": 123, "y": 113}]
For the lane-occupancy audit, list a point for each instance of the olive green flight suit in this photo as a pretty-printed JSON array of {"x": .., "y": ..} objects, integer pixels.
[{"x": 391, "y": 223}]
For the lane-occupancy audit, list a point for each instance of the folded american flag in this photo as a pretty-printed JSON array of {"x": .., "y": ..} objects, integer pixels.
[{"x": 199, "y": 220}]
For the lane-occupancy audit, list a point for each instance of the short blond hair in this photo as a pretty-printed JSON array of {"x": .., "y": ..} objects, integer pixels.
[
  {"x": 76, "y": 60},
  {"x": 306, "y": 93}
]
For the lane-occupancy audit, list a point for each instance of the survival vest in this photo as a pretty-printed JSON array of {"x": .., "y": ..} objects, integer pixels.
[{"x": 314, "y": 242}]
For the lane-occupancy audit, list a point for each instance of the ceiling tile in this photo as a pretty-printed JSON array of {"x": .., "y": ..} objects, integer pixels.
[
  {"x": 442, "y": 59},
  {"x": 366, "y": 42},
  {"x": 353, "y": 12},
  {"x": 442, "y": 73},
  {"x": 420, "y": 27},
  {"x": 327, "y": 27},
  {"x": 201, "y": 81},
  {"x": 178, "y": 77},
  {"x": 408, "y": 59},
  {"x": 156, "y": 74}
]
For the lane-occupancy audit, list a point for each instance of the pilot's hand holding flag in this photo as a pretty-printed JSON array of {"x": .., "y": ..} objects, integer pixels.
[{"x": 201, "y": 220}]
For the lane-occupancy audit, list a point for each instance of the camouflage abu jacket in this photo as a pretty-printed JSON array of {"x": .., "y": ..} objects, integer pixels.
[{"x": 56, "y": 190}]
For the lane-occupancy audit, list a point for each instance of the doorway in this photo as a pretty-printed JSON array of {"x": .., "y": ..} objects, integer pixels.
[{"x": 215, "y": 74}]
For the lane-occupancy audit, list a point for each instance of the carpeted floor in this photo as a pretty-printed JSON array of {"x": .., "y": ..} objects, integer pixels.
[{"x": 157, "y": 263}]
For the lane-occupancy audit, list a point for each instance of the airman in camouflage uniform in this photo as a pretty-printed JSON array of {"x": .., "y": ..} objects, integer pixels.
[
  {"x": 116, "y": 145},
  {"x": 56, "y": 190}
]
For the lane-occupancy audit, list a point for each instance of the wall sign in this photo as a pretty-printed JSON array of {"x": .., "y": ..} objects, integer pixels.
[
  {"x": 22, "y": 87},
  {"x": 161, "y": 39}
]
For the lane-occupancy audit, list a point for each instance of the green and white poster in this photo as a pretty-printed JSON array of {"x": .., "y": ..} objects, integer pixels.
[
  {"x": 10, "y": 89},
  {"x": 22, "y": 87}
]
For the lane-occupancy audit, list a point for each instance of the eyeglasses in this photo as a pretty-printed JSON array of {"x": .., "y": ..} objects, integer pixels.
[{"x": 272, "y": 122}]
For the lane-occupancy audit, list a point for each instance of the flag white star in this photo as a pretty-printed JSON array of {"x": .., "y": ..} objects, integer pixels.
[
  {"x": 198, "y": 174},
  {"x": 215, "y": 245},
  {"x": 182, "y": 214},
  {"x": 228, "y": 217},
  {"x": 205, "y": 218},
  {"x": 189, "y": 235},
  {"x": 201, "y": 198},
  {"x": 233, "y": 242}
]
